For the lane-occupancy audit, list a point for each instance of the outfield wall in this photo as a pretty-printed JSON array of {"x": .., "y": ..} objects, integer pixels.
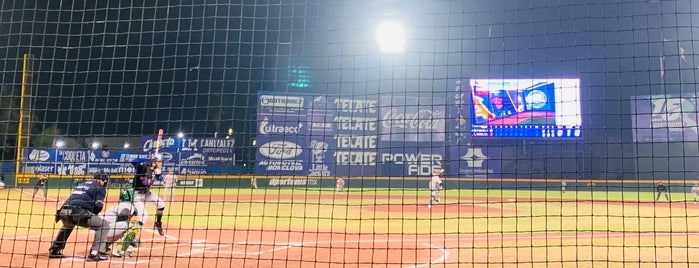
[{"x": 371, "y": 183}]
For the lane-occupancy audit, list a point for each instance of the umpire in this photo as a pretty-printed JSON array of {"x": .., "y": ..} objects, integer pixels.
[{"x": 81, "y": 209}]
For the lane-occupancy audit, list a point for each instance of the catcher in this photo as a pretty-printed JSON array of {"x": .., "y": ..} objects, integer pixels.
[
  {"x": 125, "y": 224},
  {"x": 435, "y": 186}
]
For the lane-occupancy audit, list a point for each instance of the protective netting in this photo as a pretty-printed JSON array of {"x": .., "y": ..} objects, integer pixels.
[{"x": 352, "y": 133}]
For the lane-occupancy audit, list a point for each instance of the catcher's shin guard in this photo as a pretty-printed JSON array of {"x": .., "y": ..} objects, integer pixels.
[{"x": 129, "y": 237}]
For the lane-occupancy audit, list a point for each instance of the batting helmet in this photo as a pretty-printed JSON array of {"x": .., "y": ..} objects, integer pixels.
[{"x": 126, "y": 195}]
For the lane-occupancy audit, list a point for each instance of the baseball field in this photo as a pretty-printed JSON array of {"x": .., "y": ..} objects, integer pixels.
[{"x": 377, "y": 228}]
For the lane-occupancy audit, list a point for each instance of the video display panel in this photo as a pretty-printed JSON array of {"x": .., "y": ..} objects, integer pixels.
[{"x": 525, "y": 108}]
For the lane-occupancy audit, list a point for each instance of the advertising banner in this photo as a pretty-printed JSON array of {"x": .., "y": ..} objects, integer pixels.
[
  {"x": 475, "y": 161},
  {"x": 209, "y": 149},
  {"x": 78, "y": 162},
  {"x": 280, "y": 155},
  {"x": 411, "y": 159},
  {"x": 356, "y": 136},
  {"x": 347, "y": 136},
  {"x": 192, "y": 155},
  {"x": 664, "y": 118},
  {"x": 406, "y": 119},
  {"x": 322, "y": 143}
]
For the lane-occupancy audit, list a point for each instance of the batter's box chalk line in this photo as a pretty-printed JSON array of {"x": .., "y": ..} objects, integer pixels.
[{"x": 275, "y": 246}]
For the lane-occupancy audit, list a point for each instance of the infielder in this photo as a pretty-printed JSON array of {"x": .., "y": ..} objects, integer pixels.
[
  {"x": 695, "y": 192},
  {"x": 124, "y": 222},
  {"x": 435, "y": 186},
  {"x": 661, "y": 188},
  {"x": 43, "y": 184},
  {"x": 339, "y": 184},
  {"x": 147, "y": 172}
]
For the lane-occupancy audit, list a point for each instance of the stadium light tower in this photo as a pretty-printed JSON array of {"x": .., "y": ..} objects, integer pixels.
[{"x": 391, "y": 35}]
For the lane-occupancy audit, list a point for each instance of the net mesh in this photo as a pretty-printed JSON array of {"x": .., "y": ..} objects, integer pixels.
[{"x": 325, "y": 166}]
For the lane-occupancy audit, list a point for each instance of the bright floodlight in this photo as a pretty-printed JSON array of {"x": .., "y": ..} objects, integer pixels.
[
  {"x": 180, "y": 135},
  {"x": 96, "y": 145},
  {"x": 60, "y": 143},
  {"x": 391, "y": 36}
]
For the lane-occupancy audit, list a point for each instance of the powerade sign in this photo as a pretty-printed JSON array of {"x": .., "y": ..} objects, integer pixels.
[{"x": 314, "y": 135}]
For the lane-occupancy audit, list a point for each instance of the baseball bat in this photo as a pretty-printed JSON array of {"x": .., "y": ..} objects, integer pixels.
[{"x": 158, "y": 141}]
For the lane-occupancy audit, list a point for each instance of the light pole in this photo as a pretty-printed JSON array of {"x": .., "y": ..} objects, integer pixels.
[
  {"x": 180, "y": 140},
  {"x": 60, "y": 144}
]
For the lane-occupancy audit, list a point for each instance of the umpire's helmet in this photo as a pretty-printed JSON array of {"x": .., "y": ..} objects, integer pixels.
[
  {"x": 99, "y": 176},
  {"x": 126, "y": 195}
]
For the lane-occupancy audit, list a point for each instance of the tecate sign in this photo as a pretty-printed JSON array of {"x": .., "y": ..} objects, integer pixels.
[{"x": 280, "y": 150}]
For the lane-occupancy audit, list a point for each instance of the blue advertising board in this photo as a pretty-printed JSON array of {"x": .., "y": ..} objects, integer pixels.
[
  {"x": 192, "y": 155},
  {"x": 316, "y": 135},
  {"x": 187, "y": 156},
  {"x": 78, "y": 162},
  {"x": 466, "y": 160}
]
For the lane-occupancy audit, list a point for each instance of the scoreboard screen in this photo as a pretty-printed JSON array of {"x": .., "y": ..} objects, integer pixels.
[{"x": 547, "y": 108}]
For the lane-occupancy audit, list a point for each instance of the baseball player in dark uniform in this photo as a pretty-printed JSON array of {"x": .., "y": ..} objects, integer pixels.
[
  {"x": 81, "y": 209},
  {"x": 147, "y": 172},
  {"x": 661, "y": 188},
  {"x": 43, "y": 184}
]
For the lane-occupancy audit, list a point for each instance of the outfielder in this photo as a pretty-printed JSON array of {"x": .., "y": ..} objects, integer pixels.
[
  {"x": 124, "y": 222},
  {"x": 435, "y": 186},
  {"x": 147, "y": 172}
]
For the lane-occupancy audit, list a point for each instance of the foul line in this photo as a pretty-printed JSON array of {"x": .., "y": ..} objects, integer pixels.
[{"x": 34, "y": 196}]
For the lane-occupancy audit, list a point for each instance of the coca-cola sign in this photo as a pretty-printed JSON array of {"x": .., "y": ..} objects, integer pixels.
[
  {"x": 407, "y": 119},
  {"x": 424, "y": 119},
  {"x": 280, "y": 150}
]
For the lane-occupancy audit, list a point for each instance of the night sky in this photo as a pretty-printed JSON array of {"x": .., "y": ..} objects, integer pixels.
[{"x": 116, "y": 68}]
